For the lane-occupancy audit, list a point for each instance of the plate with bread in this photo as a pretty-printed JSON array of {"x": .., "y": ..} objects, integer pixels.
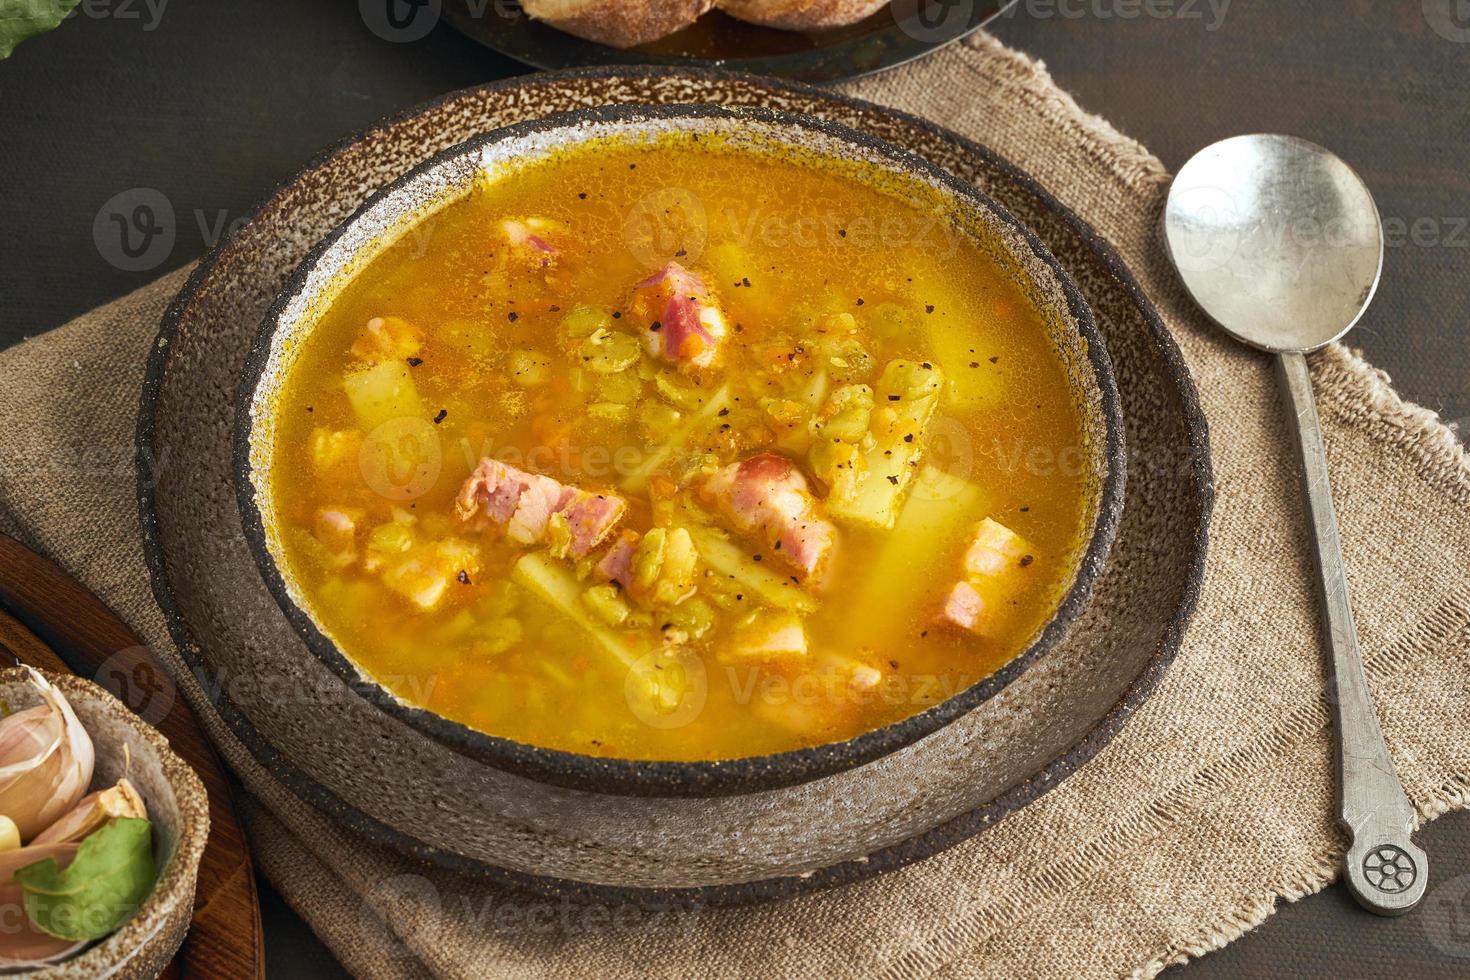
[{"x": 809, "y": 40}]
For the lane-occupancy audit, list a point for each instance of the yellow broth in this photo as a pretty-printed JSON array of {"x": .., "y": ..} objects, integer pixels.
[{"x": 824, "y": 277}]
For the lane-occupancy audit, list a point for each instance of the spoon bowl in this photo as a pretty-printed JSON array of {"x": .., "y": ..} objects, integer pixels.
[{"x": 1277, "y": 239}]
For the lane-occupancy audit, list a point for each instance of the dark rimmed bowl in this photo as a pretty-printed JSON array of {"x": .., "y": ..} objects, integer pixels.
[
  {"x": 444, "y": 178},
  {"x": 399, "y": 790}
]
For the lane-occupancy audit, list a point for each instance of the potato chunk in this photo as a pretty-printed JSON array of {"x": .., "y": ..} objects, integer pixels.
[
  {"x": 768, "y": 636},
  {"x": 868, "y": 477}
]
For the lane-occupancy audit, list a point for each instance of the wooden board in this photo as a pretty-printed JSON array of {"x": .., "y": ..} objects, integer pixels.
[{"x": 49, "y": 620}]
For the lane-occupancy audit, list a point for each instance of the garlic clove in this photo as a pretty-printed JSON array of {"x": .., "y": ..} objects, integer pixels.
[
  {"x": 94, "y": 810},
  {"x": 21, "y": 943},
  {"x": 26, "y": 733},
  {"x": 9, "y": 835},
  {"x": 46, "y": 761}
]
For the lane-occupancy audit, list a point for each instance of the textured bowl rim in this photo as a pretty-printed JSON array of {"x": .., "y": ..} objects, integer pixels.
[
  {"x": 693, "y": 778},
  {"x": 946, "y": 834},
  {"x": 182, "y": 868}
]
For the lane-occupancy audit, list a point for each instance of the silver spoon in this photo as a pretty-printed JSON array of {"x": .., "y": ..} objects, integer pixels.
[{"x": 1280, "y": 243}]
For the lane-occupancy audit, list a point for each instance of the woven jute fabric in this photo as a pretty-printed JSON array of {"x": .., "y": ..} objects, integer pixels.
[{"x": 1213, "y": 804}]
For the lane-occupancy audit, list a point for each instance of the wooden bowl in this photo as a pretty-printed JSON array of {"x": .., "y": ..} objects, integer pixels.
[
  {"x": 804, "y": 141},
  {"x": 177, "y": 806}
]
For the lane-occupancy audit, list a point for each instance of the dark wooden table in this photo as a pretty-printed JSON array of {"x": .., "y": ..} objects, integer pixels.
[{"x": 213, "y": 103}]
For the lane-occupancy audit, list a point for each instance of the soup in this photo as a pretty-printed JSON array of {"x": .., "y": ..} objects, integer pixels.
[{"x": 677, "y": 449}]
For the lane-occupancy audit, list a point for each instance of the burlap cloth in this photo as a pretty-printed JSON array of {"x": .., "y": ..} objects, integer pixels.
[{"x": 1213, "y": 803}]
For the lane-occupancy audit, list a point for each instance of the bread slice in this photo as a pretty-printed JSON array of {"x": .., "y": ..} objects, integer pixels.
[
  {"x": 620, "y": 23},
  {"x": 802, "y": 15}
]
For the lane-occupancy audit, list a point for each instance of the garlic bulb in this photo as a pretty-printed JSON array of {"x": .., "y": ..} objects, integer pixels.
[
  {"x": 22, "y": 944},
  {"x": 9, "y": 835},
  {"x": 46, "y": 760},
  {"x": 92, "y": 812}
]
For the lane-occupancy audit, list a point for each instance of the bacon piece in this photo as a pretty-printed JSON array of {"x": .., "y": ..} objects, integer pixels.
[
  {"x": 541, "y": 497},
  {"x": 590, "y": 516},
  {"x": 834, "y": 688},
  {"x": 963, "y": 606},
  {"x": 494, "y": 487},
  {"x": 528, "y": 239},
  {"x": 682, "y": 322},
  {"x": 339, "y": 522},
  {"x": 616, "y": 561},
  {"x": 387, "y": 338},
  {"x": 994, "y": 548},
  {"x": 995, "y": 568},
  {"x": 336, "y": 529},
  {"x": 425, "y": 572},
  {"x": 768, "y": 496},
  {"x": 524, "y": 504},
  {"x": 658, "y": 569}
]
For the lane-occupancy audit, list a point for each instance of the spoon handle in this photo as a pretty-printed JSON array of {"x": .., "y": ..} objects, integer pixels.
[{"x": 1385, "y": 869}]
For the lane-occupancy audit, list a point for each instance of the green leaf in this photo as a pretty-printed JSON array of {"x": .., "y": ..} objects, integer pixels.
[
  {"x": 104, "y": 884},
  {"x": 20, "y": 19}
]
